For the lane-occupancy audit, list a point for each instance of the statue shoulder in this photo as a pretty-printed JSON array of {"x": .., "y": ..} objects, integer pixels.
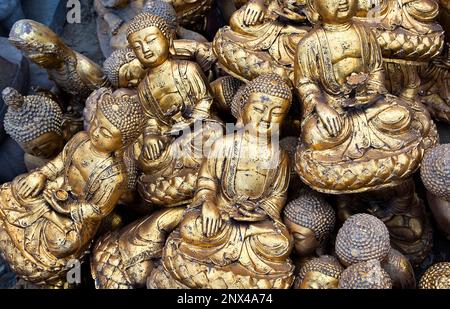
[{"x": 90, "y": 72}]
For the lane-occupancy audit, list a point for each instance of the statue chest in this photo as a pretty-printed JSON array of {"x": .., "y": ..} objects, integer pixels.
[
  {"x": 165, "y": 93},
  {"x": 81, "y": 168}
]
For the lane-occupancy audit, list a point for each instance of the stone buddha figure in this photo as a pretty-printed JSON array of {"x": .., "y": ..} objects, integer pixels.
[
  {"x": 34, "y": 122},
  {"x": 357, "y": 137},
  {"x": 262, "y": 38},
  {"x": 319, "y": 273},
  {"x": 176, "y": 99},
  {"x": 75, "y": 75},
  {"x": 50, "y": 216},
  {"x": 310, "y": 219},
  {"x": 232, "y": 235}
]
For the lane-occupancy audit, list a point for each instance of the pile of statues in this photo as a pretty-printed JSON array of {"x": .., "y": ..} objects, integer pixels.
[{"x": 283, "y": 154}]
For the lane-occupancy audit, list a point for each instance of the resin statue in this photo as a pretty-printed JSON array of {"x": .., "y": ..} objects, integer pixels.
[
  {"x": 364, "y": 238},
  {"x": 319, "y": 273},
  {"x": 435, "y": 174},
  {"x": 232, "y": 235},
  {"x": 113, "y": 20},
  {"x": 261, "y": 39},
  {"x": 176, "y": 98},
  {"x": 365, "y": 275},
  {"x": 436, "y": 277},
  {"x": 356, "y": 136},
  {"x": 50, "y": 216},
  {"x": 75, "y": 75},
  {"x": 310, "y": 219},
  {"x": 34, "y": 122}
]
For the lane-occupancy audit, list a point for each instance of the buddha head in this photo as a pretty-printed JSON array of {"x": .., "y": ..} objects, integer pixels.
[
  {"x": 151, "y": 36},
  {"x": 331, "y": 11},
  {"x": 263, "y": 104},
  {"x": 435, "y": 171},
  {"x": 117, "y": 123},
  {"x": 34, "y": 122},
  {"x": 362, "y": 237},
  {"x": 365, "y": 275},
  {"x": 436, "y": 277},
  {"x": 39, "y": 44},
  {"x": 123, "y": 68},
  {"x": 310, "y": 219},
  {"x": 320, "y": 273},
  {"x": 163, "y": 9}
]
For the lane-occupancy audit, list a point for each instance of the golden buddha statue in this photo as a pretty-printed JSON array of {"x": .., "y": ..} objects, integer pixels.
[
  {"x": 232, "y": 235},
  {"x": 50, "y": 216},
  {"x": 319, "y": 273},
  {"x": 436, "y": 277},
  {"x": 74, "y": 74},
  {"x": 176, "y": 97},
  {"x": 34, "y": 122},
  {"x": 258, "y": 41},
  {"x": 399, "y": 270},
  {"x": 435, "y": 174},
  {"x": 365, "y": 275},
  {"x": 310, "y": 219},
  {"x": 123, "y": 69},
  {"x": 357, "y": 137}
]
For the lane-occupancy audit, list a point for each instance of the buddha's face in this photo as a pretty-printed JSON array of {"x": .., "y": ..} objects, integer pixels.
[
  {"x": 264, "y": 113},
  {"x": 150, "y": 46},
  {"x": 318, "y": 280},
  {"x": 104, "y": 136},
  {"x": 45, "y": 146},
  {"x": 305, "y": 242},
  {"x": 336, "y": 11},
  {"x": 131, "y": 74}
]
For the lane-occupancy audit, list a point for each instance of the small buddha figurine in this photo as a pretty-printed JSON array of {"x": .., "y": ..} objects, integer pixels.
[
  {"x": 435, "y": 174},
  {"x": 319, "y": 273},
  {"x": 356, "y": 137},
  {"x": 362, "y": 237},
  {"x": 365, "y": 275},
  {"x": 176, "y": 98},
  {"x": 75, "y": 75},
  {"x": 436, "y": 277},
  {"x": 310, "y": 219},
  {"x": 262, "y": 38},
  {"x": 232, "y": 235},
  {"x": 50, "y": 216},
  {"x": 34, "y": 122}
]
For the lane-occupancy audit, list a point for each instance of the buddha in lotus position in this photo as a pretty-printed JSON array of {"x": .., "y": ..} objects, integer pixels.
[
  {"x": 176, "y": 98},
  {"x": 262, "y": 38},
  {"x": 50, "y": 216},
  {"x": 232, "y": 235},
  {"x": 356, "y": 137}
]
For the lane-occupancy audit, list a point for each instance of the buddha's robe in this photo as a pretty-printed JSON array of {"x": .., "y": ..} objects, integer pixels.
[
  {"x": 254, "y": 246},
  {"x": 37, "y": 240}
]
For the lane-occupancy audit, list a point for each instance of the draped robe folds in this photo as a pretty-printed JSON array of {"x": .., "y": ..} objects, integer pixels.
[
  {"x": 384, "y": 126},
  {"x": 260, "y": 247},
  {"x": 45, "y": 237}
]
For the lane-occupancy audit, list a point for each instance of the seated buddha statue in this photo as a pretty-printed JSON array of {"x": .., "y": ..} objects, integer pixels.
[
  {"x": 74, "y": 74},
  {"x": 34, "y": 122},
  {"x": 176, "y": 99},
  {"x": 232, "y": 235},
  {"x": 114, "y": 18},
  {"x": 262, "y": 38},
  {"x": 50, "y": 216}
]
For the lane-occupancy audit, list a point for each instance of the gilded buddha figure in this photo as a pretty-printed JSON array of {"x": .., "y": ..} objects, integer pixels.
[
  {"x": 436, "y": 277},
  {"x": 357, "y": 137},
  {"x": 176, "y": 97},
  {"x": 75, "y": 75},
  {"x": 262, "y": 38},
  {"x": 319, "y": 273},
  {"x": 232, "y": 235},
  {"x": 50, "y": 216},
  {"x": 34, "y": 122}
]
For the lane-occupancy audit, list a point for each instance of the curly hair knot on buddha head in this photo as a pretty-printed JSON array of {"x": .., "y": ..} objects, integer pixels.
[
  {"x": 365, "y": 275},
  {"x": 162, "y": 9},
  {"x": 435, "y": 171},
  {"x": 325, "y": 264},
  {"x": 115, "y": 61},
  {"x": 146, "y": 20}
]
